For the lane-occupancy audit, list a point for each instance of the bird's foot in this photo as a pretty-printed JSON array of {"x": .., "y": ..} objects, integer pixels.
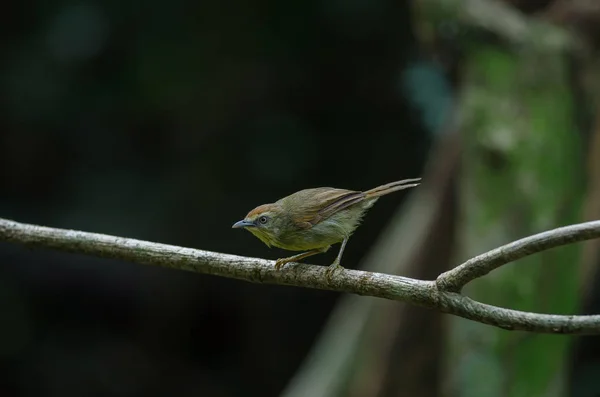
[
  {"x": 335, "y": 266},
  {"x": 282, "y": 261}
]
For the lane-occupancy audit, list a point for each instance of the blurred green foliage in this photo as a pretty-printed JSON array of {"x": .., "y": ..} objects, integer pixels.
[{"x": 522, "y": 175}]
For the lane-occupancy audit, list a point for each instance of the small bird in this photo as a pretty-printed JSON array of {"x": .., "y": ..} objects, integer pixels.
[{"x": 312, "y": 220}]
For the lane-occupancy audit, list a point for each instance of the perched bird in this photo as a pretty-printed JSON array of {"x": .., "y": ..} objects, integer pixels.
[{"x": 312, "y": 220}]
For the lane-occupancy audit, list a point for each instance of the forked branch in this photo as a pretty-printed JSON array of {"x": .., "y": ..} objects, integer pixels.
[{"x": 442, "y": 294}]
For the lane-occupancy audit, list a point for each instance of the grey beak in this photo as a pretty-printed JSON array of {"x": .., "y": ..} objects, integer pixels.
[{"x": 242, "y": 224}]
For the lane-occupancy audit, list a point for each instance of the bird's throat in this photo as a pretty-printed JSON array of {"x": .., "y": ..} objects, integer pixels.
[{"x": 262, "y": 236}]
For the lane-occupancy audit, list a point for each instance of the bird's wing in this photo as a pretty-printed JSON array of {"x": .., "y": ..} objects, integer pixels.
[{"x": 318, "y": 204}]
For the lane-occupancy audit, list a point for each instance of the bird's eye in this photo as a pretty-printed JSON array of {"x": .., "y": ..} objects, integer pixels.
[{"x": 262, "y": 220}]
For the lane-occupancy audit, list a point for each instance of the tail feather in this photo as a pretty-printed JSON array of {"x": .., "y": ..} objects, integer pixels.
[{"x": 392, "y": 187}]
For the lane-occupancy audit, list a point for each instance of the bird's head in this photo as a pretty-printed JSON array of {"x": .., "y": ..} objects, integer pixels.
[{"x": 264, "y": 222}]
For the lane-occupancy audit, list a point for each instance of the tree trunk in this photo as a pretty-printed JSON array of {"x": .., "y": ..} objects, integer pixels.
[{"x": 522, "y": 172}]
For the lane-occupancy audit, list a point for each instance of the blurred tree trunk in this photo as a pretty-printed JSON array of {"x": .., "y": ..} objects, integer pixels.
[{"x": 522, "y": 172}]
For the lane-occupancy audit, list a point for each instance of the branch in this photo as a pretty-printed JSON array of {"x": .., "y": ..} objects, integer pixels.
[
  {"x": 430, "y": 294},
  {"x": 510, "y": 24},
  {"x": 505, "y": 21},
  {"x": 454, "y": 280}
]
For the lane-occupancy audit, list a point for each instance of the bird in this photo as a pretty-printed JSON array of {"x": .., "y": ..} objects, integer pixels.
[{"x": 312, "y": 220}]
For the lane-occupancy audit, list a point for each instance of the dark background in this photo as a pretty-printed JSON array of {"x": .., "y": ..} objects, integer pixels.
[{"x": 168, "y": 121}]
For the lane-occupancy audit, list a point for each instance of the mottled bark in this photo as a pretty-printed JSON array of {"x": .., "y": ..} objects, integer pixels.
[{"x": 418, "y": 292}]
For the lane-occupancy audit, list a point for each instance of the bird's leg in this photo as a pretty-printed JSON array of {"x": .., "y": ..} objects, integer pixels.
[
  {"x": 282, "y": 261},
  {"x": 336, "y": 263}
]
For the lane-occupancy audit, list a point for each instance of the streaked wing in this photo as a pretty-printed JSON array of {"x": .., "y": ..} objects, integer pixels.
[
  {"x": 343, "y": 201},
  {"x": 318, "y": 204}
]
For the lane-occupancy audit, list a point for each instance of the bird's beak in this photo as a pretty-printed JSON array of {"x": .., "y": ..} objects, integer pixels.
[{"x": 242, "y": 224}]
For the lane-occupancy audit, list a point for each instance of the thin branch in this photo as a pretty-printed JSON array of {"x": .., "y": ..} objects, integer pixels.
[
  {"x": 505, "y": 21},
  {"x": 424, "y": 293},
  {"x": 454, "y": 280}
]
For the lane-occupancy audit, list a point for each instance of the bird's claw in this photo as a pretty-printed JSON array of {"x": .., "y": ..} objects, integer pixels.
[
  {"x": 280, "y": 262},
  {"x": 332, "y": 269}
]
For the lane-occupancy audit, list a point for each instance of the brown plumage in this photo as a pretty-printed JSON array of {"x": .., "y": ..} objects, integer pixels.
[{"x": 312, "y": 220}]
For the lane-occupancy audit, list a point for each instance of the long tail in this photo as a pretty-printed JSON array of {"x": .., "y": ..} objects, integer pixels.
[{"x": 392, "y": 187}]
